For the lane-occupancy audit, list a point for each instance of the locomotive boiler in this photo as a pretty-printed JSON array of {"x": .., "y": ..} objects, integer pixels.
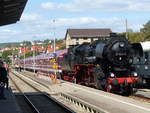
[{"x": 103, "y": 64}]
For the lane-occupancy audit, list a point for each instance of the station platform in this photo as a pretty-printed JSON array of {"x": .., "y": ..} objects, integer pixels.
[
  {"x": 9, "y": 105},
  {"x": 110, "y": 103}
]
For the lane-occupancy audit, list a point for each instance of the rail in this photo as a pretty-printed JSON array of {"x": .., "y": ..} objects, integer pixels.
[{"x": 64, "y": 108}]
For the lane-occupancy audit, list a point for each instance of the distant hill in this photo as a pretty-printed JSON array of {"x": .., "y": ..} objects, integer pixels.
[{"x": 2, "y": 45}]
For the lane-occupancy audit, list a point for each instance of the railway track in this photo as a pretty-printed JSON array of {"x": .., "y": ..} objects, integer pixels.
[
  {"x": 38, "y": 102},
  {"x": 89, "y": 108},
  {"x": 78, "y": 105},
  {"x": 137, "y": 96}
]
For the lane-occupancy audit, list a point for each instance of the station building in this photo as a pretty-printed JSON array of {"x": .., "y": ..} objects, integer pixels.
[{"x": 79, "y": 36}]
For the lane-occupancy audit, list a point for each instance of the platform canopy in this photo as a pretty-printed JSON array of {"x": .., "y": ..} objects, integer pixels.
[{"x": 11, "y": 11}]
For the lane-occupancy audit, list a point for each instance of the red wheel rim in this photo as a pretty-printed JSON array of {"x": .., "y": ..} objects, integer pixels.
[{"x": 109, "y": 88}]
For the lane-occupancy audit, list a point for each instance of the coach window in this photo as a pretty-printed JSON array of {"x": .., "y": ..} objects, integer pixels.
[{"x": 77, "y": 41}]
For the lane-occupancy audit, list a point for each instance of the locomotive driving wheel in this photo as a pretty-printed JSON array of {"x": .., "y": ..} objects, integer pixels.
[
  {"x": 98, "y": 76},
  {"x": 148, "y": 82}
]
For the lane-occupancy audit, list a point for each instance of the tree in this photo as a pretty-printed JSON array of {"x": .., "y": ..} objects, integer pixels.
[
  {"x": 136, "y": 37},
  {"x": 146, "y": 31},
  {"x": 30, "y": 54},
  {"x": 62, "y": 47},
  {"x": 46, "y": 42},
  {"x": 5, "y": 56},
  {"x": 58, "y": 41},
  {"x": 27, "y": 43},
  {"x": 130, "y": 30}
]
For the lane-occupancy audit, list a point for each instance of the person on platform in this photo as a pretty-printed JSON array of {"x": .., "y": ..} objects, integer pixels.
[
  {"x": 3, "y": 79},
  {"x": 7, "y": 77}
]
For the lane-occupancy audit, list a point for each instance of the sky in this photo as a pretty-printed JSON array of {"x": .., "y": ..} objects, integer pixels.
[{"x": 46, "y": 19}]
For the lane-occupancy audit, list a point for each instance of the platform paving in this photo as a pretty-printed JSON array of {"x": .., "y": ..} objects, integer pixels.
[
  {"x": 9, "y": 105},
  {"x": 144, "y": 94},
  {"x": 109, "y": 102}
]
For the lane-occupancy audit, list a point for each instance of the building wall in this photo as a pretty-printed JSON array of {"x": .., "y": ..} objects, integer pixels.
[
  {"x": 68, "y": 41},
  {"x": 81, "y": 40}
]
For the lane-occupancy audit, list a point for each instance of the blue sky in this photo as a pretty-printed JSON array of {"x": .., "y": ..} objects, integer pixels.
[{"x": 37, "y": 20}]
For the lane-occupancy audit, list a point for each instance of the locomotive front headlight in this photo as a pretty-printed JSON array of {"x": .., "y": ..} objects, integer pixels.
[
  {"x": 146, "y": 67},
  {"x": 135, "y": 74},
  {"x": 122, "y": 44},
  {"x": 112, "y": 75}
]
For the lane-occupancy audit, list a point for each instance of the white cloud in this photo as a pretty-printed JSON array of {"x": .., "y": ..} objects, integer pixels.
[
  {"x": 30, "y": 17},
  {"x": 75, "y": 21},
  {"x": 99, "y": 5},
  {"x": 8, "y": 31},
  {"x": 115, "y": 23},
  {"x": 44, "y": 29},
  {"x": 48, "y": 5}
]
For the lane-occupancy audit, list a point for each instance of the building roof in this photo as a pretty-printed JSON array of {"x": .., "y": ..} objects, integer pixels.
[
  {"x": 11, "y": 11},
  {"x": 88, "y": 33}
]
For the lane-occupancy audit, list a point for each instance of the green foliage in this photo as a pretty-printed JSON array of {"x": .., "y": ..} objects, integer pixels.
[
  {"x": 143, "y": 35},
  {"x": 26, "y": 43},
  {"x": 29, "y": 54},
  {"x": 6, "y": 56},
  {"x": 2, "y": 45},
  {"x": 62, "y": 47},
  {"x": 136, "y": 37},
  {"x": 146, "y": 31},
  {"x": 58, "y": 41}
]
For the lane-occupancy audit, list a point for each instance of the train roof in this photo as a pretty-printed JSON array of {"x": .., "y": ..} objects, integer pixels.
[
  {"x": 47, "y": 55},
  {"x": 11, "y": 11}
]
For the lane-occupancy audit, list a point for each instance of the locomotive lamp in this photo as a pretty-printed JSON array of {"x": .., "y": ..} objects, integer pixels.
[
  {"x": 146, "y": 67},
  {"x": 112, "y": 75},
  {"x": 135, "y": 74},
  {"x": 122, "y": 44}
]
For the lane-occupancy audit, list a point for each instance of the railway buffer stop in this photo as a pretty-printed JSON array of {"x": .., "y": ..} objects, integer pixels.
[{"x": 10, "y": 13}]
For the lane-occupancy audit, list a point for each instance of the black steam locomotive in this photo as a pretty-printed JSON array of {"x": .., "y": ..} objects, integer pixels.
[{"x": 105, "y": 65}]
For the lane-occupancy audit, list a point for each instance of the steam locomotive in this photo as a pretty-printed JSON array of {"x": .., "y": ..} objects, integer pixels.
[{"x": 105, "y": 65}]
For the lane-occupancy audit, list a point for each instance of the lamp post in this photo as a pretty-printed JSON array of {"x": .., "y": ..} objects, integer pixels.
[
  {"x": 23, "y": 44},
  {"x": 54, "y": 36},
  {"x": 33, "y": 43},
  {"x": 126, "y": 28},
  {"x": 13, "y": 57},
  {"x": 54, "y": 45}
]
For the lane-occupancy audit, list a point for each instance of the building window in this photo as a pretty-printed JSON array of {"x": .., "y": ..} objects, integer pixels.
[{"x": 77, "y": 41}]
